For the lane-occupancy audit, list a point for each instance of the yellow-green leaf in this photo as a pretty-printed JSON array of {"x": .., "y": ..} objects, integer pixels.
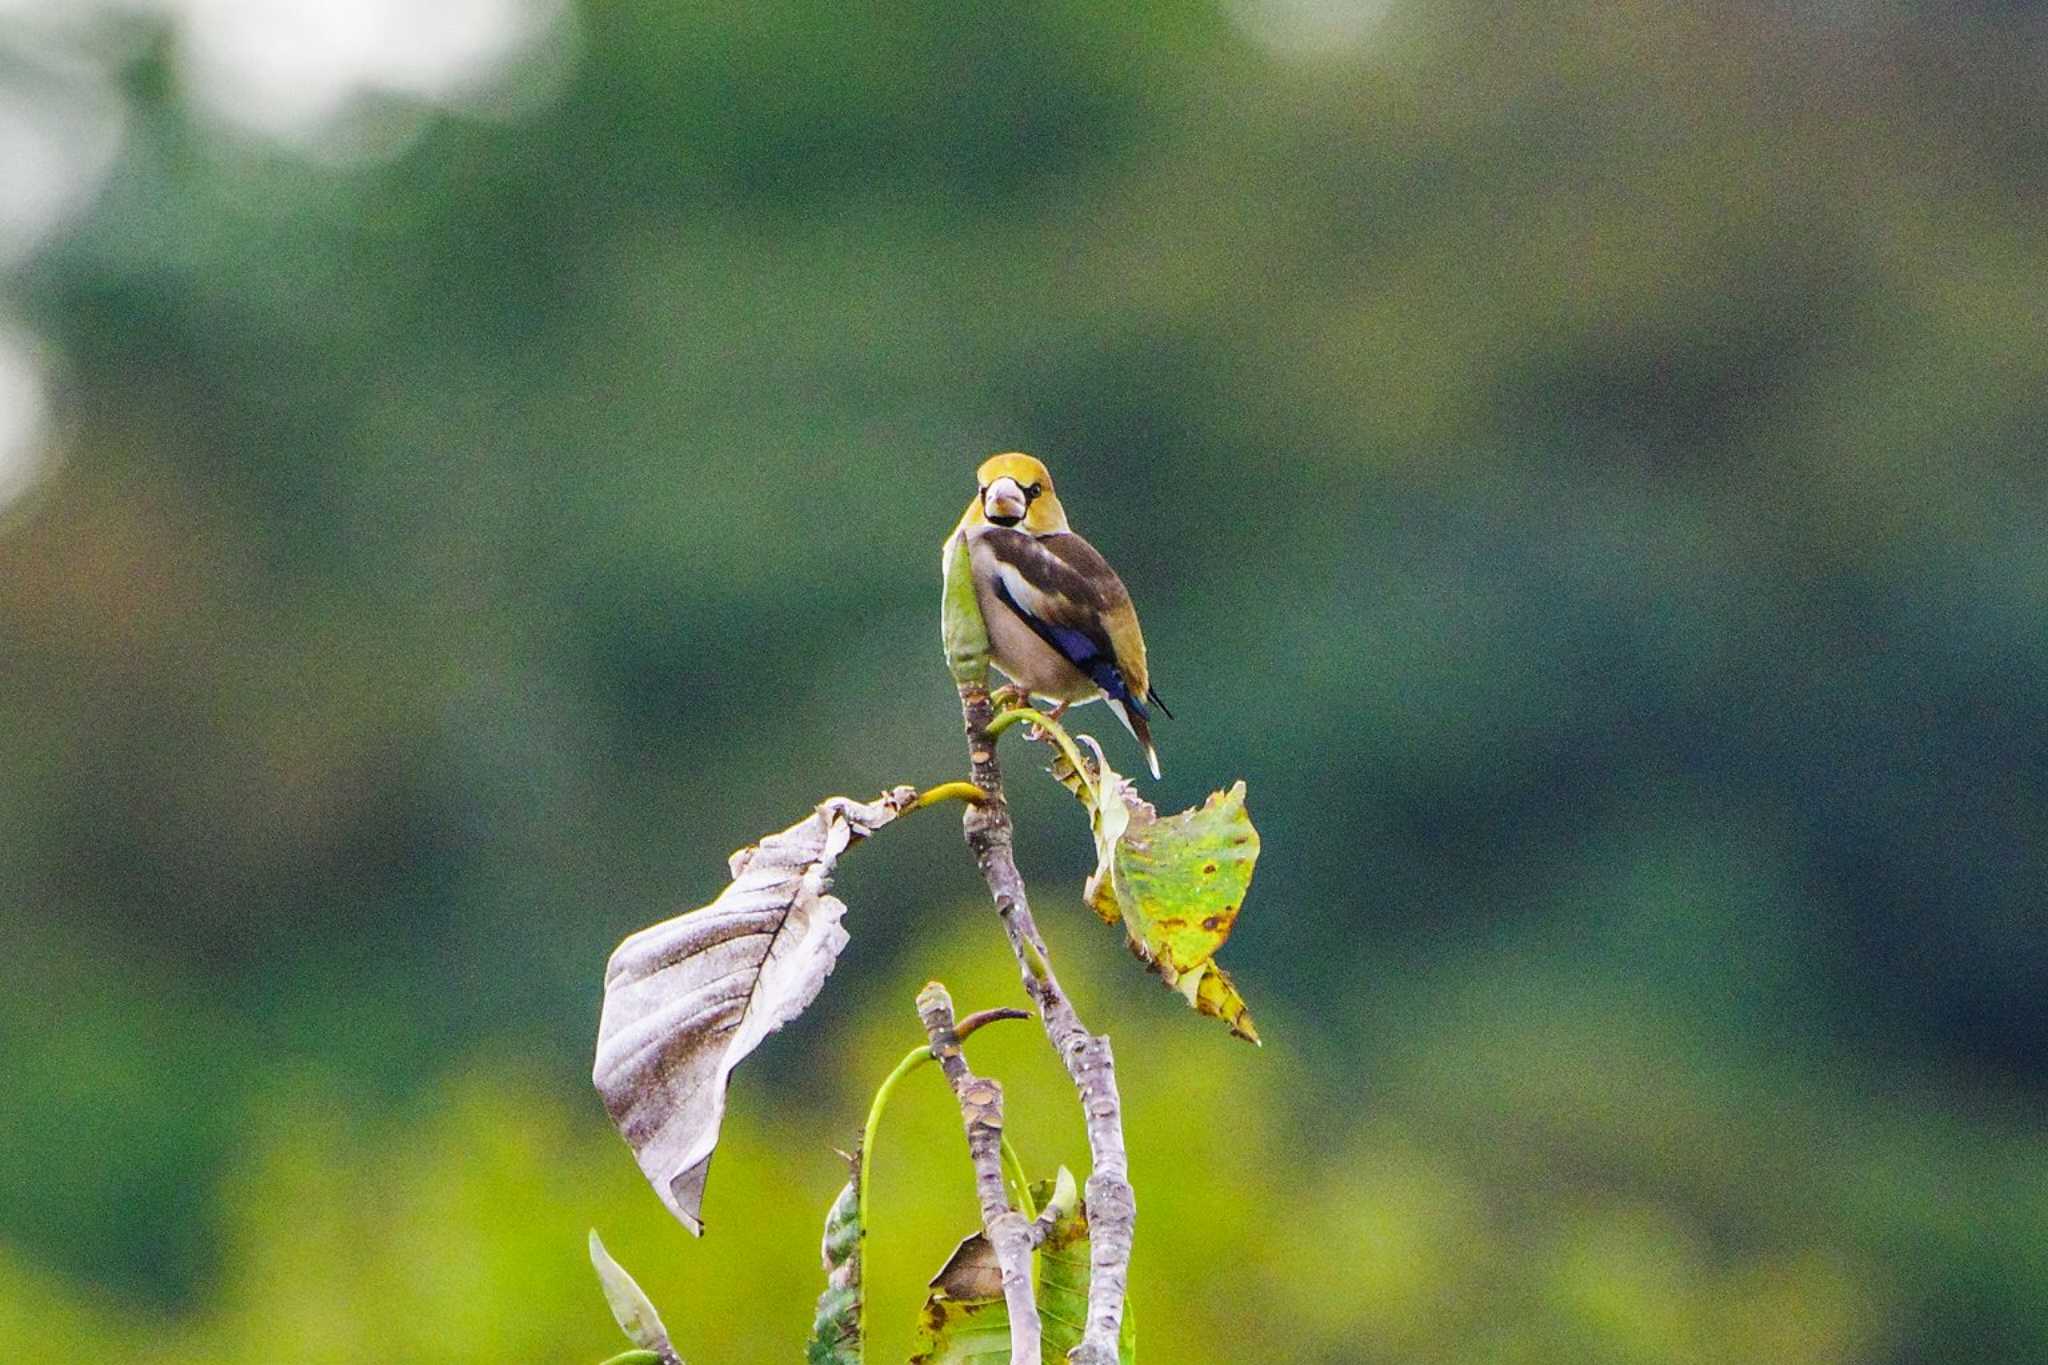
[
  {"x": 1176, "y": 882},
  {"x": 1063, "y": 1278},
  {"x": 630, "y": 1306},
  {"x": 1062, "y": 1269},
  {"x": 964, "y": 632}
]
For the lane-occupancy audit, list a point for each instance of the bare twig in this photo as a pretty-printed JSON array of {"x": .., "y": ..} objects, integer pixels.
[
  {"x": 978, "y": 1020},
  {"x": 1007, "y": 1230},
  {"x": 1112, "y": 1208}
]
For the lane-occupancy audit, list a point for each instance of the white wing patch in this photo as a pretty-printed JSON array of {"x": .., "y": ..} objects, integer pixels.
[{"x": 1022, "y": 591}]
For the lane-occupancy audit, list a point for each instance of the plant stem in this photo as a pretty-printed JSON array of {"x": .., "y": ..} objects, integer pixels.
[
  {"x": 912, "y": 1060},
  {"x": 871, "y": 1130},
  {"x": 1021, "y": 1182},
  {"x": 1050, "y": 729},
  {"x": 1008, "y": 1231},
  {"x": 945, "y": 791},
  {"x": 1112, "y": 1208}
]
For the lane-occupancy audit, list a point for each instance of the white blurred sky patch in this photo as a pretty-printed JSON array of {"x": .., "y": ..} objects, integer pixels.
[
  {"x": 312, "y": 74},
  {"x": 61, "y": 122},
  {"x": 1305, "y": 29},
  {"x": 24, "y": 414},
  {"x": 333, "y": 80}
]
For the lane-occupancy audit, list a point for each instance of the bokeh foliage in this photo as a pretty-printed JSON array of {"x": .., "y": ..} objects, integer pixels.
[
  {"x": 1548, "y": 1169},
  {"x": 1581, "y": 464}
]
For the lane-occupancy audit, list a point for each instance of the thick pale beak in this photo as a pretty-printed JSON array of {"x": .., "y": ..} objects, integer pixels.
[{"x": 1004, "y": 503}]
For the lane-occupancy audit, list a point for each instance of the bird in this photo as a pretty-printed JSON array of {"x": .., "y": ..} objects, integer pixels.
[{"x": 1060, "y": 622}]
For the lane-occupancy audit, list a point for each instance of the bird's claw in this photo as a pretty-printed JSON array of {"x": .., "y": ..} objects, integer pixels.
[{"x": 1010, "y": 695}]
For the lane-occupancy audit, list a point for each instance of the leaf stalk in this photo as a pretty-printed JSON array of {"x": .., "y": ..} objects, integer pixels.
[
  {"x": 1049, "y": 728},
  {"x": 949, "y": 791}
]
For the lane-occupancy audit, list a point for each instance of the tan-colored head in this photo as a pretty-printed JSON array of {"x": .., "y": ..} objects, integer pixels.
[{"x": 1016, "y": 490}]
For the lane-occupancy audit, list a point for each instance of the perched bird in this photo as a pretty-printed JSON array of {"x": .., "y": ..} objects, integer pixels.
[{"x": 1060, "y": 623}]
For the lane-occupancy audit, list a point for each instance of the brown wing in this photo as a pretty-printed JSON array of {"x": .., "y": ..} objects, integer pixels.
[
  {"x": 1070, "y": 596},
  {"x": 1063, "y": 564}
]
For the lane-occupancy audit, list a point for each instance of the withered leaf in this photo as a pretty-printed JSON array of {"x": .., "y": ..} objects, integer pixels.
[{"x": 687, "y": 1000}]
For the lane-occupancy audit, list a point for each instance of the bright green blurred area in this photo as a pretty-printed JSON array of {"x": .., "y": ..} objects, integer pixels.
[{"x": 464, "y": 470}]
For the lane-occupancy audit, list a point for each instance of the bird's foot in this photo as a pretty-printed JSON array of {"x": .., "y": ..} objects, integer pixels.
[{"x": 1010, "y": 695}]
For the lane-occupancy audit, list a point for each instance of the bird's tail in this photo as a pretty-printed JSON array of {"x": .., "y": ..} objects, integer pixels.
[{"x": 1141, "y": 730}]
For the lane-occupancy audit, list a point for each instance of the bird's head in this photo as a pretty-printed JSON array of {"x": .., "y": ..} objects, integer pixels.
[{"x": 1017, "y": 491}]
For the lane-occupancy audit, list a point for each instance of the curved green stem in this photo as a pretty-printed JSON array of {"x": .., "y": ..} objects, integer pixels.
[
  {"x": 912, "y": 1060},
  {"x": 1004, "y": 719},
  {"x": 1051, "y": 729},
  {"x": 949, "y": 791},
  {"x": 634, "y": 1358},
  {"x": 1014, "y": 1164}
]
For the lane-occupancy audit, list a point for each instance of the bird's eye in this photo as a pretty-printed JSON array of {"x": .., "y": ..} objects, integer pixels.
[{"x": 1031, "y": 493}]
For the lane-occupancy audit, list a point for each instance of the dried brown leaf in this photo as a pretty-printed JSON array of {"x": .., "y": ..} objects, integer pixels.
[{"x": 687, "y": 1000}]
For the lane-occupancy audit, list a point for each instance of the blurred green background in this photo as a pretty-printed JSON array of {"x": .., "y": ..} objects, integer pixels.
[{"x": 466, "y": 468}]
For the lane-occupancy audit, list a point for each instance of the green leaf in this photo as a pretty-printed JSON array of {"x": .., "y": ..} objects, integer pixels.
[
  {"x": 1176, "y": 882},
  {"x": 630, "y": 1306},
  {"x": 965, "y": 1320},
  {"x": 835, "y": 1331},
  {"x": 1063, "y": 1279},
  {"x": 960, "y": 624},
  {"x": 1062, "y": 1268},
  {"x": 634, "y": 1358}
]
